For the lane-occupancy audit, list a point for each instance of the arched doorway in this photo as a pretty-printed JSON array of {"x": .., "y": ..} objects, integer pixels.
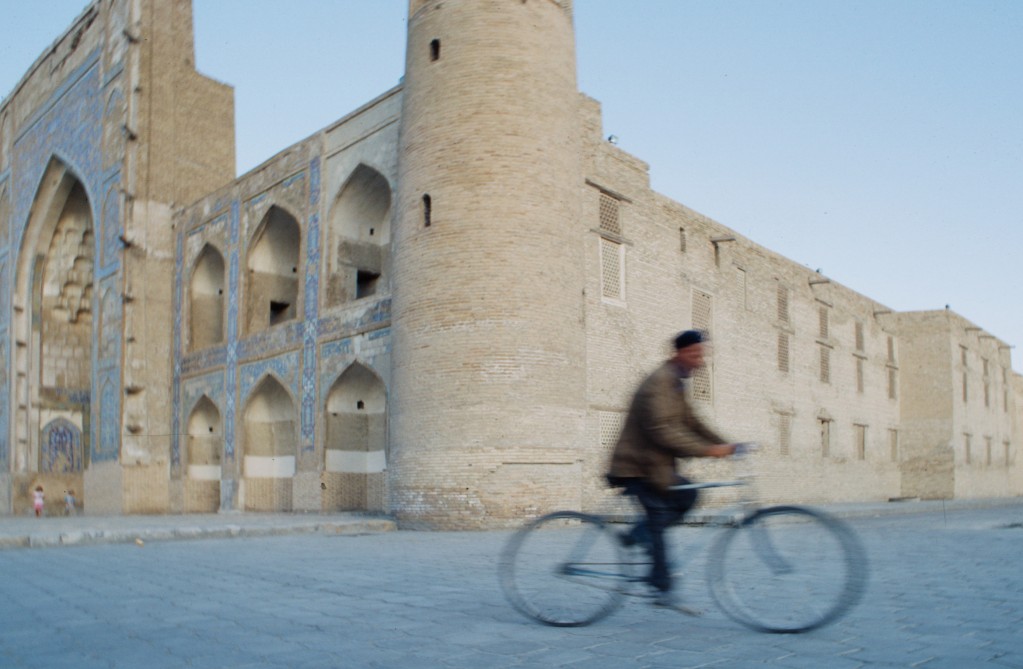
[
  {"x": 204, "y": 456},
  {"x": 269, "y": 447},
  {"x": 355, "y": 460},
  {"x": 52, "y": 324}
]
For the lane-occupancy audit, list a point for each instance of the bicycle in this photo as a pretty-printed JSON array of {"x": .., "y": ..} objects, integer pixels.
[{"x": 779, "y": 569}]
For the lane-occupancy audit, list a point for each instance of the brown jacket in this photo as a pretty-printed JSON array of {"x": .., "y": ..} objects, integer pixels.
[{"x": 661, "y": 426}]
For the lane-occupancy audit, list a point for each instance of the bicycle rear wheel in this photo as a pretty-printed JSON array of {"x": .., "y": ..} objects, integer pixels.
[
  {"x": 787, "y": 569},
  {"x": 563, "y": 569}
]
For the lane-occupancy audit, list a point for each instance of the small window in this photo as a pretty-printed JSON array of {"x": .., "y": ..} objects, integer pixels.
[
  {"x": 825, "y": 364},
  {"x": 861, "y": 441},
  {"x": 682, "y": 240},
  {"x": 893, "y": 444},
  {"x": 610, "y": 214},
  {"x": 612, "y": 274},
  {"x": 279, "y": 312},
  {"x": 784, "y": 433},
  {"x": 435, "y": 49},
  {"x": 366, "y": 283},
  {"x": 859, "y": 336},
  {"x": 825, "y": 428},
  {"x": 859, "y": 375},
  {"x": 823, "y": 322},
  {"x": 783, "y": 352},
  {"x": 783, "y": 304},
  {"x": 427, "y": 211}
]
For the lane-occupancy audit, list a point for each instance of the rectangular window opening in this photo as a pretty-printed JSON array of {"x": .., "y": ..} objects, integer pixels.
[
  {"x": 366, "y": 283},
  {"x": 279, "y": 312}
]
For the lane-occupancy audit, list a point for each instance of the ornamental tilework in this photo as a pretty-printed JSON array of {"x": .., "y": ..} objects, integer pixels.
[
  {"x": 232, "y": 335},
  {"x": 108, "y": 445},
  {"x": 61, "y": 447},
  {"x": 110, "y": 224},
  {"x": 284, "y": 367},
  {"x": 176, "y": 383}
]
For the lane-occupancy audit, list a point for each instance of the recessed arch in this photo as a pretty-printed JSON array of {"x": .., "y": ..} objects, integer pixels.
[
  {"x": 355, "y": 456},
  {"x": 273, "y": 278},
  {"x": 204, "y": 451},
  {"x": 52, "y": 314},
  {"x": 206, "y": 299},
  {"x": 358, "y": 237},
  {"x": 270, "y": 433}
]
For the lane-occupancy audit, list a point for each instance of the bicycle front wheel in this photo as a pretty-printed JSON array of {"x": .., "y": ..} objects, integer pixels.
[
  {"x": 787, "y": 569},
  {"x": 563, "y": 569}
]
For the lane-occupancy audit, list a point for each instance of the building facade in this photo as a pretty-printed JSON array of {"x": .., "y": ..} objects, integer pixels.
[{"x": 436, "y": 307}]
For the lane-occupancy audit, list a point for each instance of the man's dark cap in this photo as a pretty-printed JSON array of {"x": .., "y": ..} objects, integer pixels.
[{"x": 688, "y": 338}]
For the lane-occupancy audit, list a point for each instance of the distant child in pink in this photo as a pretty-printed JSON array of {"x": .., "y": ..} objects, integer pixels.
[{"x": 37, "y": 500}]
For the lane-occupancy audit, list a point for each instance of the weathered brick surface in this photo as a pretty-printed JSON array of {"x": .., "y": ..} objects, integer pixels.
[{"x": 488, "y": 346}]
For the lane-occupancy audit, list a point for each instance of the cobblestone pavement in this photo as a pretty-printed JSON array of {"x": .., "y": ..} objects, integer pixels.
[{"x": 946, "y": 592}]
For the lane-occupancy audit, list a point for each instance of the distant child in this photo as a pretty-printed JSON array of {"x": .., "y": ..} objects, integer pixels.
[
  {"x": 37, "y": 500},
  {"x": 69, "y": 502}
]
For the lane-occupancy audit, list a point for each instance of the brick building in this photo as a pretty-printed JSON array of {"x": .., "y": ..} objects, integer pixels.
[{"x": 435, "y": 307}]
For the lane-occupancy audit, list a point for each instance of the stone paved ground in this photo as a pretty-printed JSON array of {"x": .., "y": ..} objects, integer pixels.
[{"x": 946, "y": 592}]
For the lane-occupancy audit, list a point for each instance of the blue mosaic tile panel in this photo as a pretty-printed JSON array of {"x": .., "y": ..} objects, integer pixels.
[
  {"x": 110, "y": 225},
  {"x": 284, "y": 367},
  {"x": 107, "y": 447},
  {"x": 60, "y": 450}
]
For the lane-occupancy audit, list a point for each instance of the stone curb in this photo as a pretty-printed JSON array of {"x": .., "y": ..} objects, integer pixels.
[{"x": 141, "y": 535}]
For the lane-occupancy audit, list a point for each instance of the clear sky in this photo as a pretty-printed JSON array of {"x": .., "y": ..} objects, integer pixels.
[{"x": 880, "y": 141}]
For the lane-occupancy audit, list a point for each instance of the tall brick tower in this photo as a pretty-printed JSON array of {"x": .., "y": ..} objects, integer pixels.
[{"x": 488, "y": 381}]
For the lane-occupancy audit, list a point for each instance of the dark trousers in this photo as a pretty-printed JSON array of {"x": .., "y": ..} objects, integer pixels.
[{"x": 663, "y": 509}]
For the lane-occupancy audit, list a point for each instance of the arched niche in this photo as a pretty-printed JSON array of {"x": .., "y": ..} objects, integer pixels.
[
  {"x": 272, "y": 287},
  {"x": 355, "y": 456},
  {"x": 52, "y": 315},
  {"x": 270, "y": 433},
  {"x": 204, "y": 454},
  {"x": 358, "y": 238},
  {"x": 206, "y": 299}
]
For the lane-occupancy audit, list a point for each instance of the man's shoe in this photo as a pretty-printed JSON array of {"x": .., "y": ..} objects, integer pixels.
[{"x": 667, "y": 600}]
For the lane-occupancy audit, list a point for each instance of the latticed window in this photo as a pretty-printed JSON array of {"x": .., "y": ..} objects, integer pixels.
[
  {"x": 861, "y": 441},
  {"x": 859, "y": 336},
  {"x": 612, "y": 260},
  {"x": 702, "y": 310},
  {"x": 825, "y": 364},
  {"x": 784, "y": 433},
  {"x": 783, "y": 352},
  {"x": 987, "y": 384},
  {"x": 823, "y": 318},
  {"x": 740, "y": 281},
  {"x": 703, "y": 316},
  {"x": 825, "y": 427},
  {"x": 783, "y": 304},
  {"x": 611, "y": 423},
  {"x": 610, "y": 218}
]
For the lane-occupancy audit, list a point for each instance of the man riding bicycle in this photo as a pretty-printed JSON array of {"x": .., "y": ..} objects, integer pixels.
[{"x": 662, "y": 427}]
